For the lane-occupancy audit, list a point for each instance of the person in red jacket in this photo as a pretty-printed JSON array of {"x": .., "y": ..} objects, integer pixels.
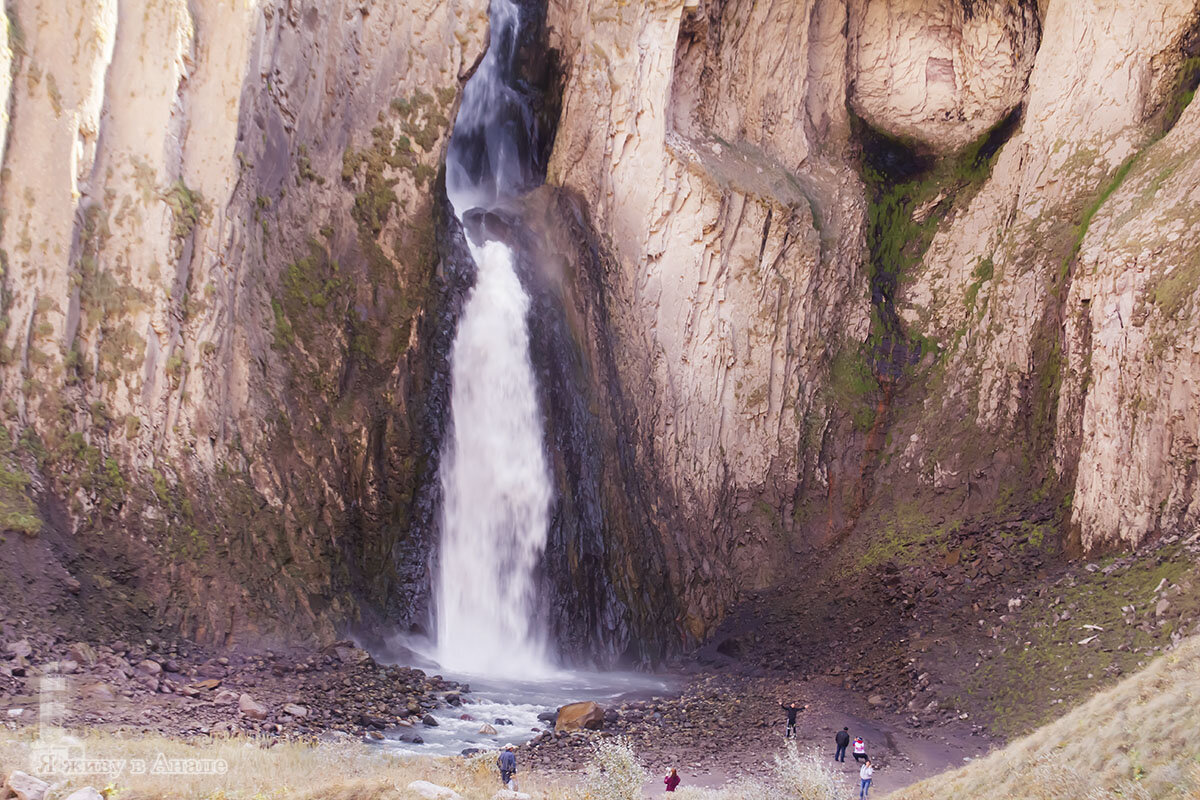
[{"x": 672, "y": 780}]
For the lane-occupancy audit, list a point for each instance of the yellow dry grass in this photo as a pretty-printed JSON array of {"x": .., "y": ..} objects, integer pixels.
[
  {"x": 349, "y": 771},
  {"x": 1139, "y": 740}
]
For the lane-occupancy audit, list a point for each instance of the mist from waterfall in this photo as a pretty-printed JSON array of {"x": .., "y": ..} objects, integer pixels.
[{"x": 496, "y": 489}]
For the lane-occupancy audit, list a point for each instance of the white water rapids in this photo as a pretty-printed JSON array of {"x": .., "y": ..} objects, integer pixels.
[{"x": 496, "y": 489}]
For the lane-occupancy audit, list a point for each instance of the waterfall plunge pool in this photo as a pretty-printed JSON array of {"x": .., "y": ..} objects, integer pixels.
[{"x": 519, "y": 701}]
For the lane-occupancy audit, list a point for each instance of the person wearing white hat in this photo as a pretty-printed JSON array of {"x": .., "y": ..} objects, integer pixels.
[{"x": 507, "y": 762}]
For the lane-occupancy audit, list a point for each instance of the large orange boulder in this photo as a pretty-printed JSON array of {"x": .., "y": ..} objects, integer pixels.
[{"x": 575, "y": 716}]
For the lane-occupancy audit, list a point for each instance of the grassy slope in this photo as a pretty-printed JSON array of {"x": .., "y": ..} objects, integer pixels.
[
  {"x": 276, "y": 771},
  {"x": 1139, "y": 739}
]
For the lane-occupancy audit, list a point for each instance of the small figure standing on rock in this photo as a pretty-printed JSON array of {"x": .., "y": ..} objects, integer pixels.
[
  {"x": 842, "y": 740},
  {"x": 865, "y": 774},
  {"x": 507, "y": 762},
  {"x": 860, "y": 750},
  {"x": 791, "y": 709},
  {"x": 672, "y": 780}
]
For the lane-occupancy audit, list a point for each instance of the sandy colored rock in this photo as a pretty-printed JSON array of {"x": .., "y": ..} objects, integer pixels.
[
  {"x": 431, "y": 791},
  {"x": 735, "y": 218},
  {"x": 25, "y": 787},
  {"x": 988, "y": 287},
  {"x": 940, "y": 71},
  {"x": 1129, "y": 417},
  {"x": 86, "y": 793},
  {"x": 99, "y": 691},
  {"x": 248, "y": 706},
  {"x": 579, "y": 716},
  {"x": 83, "y": 653}
]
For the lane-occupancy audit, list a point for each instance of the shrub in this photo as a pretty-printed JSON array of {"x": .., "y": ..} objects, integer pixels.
[
  {"x": 805, "y": 777},
  {"x": 614, "y": 773}
]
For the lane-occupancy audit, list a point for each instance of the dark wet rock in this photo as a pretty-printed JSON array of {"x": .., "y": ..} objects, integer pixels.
[{"x": 429, "y": 721}]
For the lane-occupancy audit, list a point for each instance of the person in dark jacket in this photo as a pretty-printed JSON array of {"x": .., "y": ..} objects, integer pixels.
[
  {"x": 791, "y": 709},
  {"x": 842, "y": 740},
  {"x": 507, "y": 762}
]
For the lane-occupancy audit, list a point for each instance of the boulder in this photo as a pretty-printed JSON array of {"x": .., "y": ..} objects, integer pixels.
[
  {"x": 25, "y": 787},
  {"x": 210, "y": 669},
  {"x": 17, "y": 650},
  {"x": 293, "y": 710},
  {"x": 86, "y": 793},
  {"x": 351, "y": 655},
  {"x": 206, "y": 685},
  {"x": 82, "y": 653},
  {"x": 65, "y": 667},
  {"x": 251, "y": 708},
  {"x": 429, "y": 721},
  {"x": 577, "y": 716},
  {"x": 431, "y": 791},
  {"x": 225, "y": 696},
  {"x": 99, "y": 691},
  {"x": 487, "y": 730}
]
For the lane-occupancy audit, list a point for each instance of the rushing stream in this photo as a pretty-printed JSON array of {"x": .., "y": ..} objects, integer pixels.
[{"x": 496, "y": 488}]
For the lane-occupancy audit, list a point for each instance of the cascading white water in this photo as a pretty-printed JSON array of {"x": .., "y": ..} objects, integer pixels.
[{"x": 496, "y": 489}]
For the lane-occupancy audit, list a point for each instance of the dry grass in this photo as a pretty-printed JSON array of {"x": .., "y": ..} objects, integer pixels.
[
  {"x": 349, "y": 771},
  {"x": 1139, "y": 740}
]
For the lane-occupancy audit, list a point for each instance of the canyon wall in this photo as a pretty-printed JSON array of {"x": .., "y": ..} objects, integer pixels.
[
  {"x": 749, "y": 316},
  {"x": 710, "y": 149},
  {"x": 814, "y": 262},
  {"x": 219, "y": 239},
  {"x": 1004, "y": 287}
]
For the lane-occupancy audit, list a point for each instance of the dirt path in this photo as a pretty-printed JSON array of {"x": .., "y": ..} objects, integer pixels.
[
  {"x": 901, "y": 755},
  {"x": 724, "y": 726}
]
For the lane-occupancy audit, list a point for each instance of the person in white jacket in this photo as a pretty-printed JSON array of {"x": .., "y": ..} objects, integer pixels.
[{"x": 865, "y": 774}]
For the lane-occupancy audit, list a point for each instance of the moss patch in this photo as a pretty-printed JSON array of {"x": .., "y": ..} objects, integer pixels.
[
  {"x": 17, "y": 512},
  {"x": 853, "y": 387},
  {"x": 1044, "y": 663}
]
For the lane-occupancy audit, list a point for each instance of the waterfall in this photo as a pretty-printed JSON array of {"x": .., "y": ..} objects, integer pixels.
[{"x": 496, "y": 490}]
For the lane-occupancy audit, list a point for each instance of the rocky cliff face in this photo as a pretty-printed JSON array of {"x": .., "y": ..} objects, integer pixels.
[
  {"x": 1003, "y": 288},
  {"x": 817, "y": 266},
  {"x": 940, "y": 72},
  {"x": 218, "y": 239},
  {"x": 749, "y": 317},
  {"x": 735, "y": 225}
]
